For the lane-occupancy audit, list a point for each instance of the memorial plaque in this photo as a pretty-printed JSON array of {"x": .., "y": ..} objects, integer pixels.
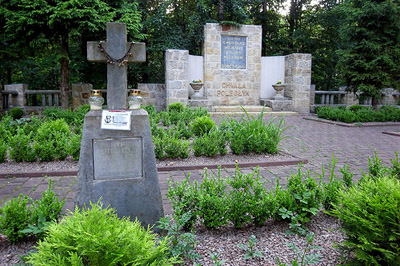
[
  {"x": 233, "y": 52},
  {"x": 120, "y": 158}
]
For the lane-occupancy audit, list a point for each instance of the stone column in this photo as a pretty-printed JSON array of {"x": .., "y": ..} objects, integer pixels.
[
  {"x": 298, "y": 80},
  {"x": 176, "y": 76},
  {"x": 349, "y": 98},
  {"x": 18, "y": 100},
  {"x": 80, "y": 94}
]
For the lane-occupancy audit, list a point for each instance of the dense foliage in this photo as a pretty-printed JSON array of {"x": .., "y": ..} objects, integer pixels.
[
  {"x": 358, "y": 113},
  {"x": 22, "y": 217},
  {"x": 96, "y": 236},
  {"x": 44, "y": 44}
]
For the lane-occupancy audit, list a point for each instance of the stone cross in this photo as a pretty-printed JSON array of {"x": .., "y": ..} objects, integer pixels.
[{"x": 116, "y": 47}]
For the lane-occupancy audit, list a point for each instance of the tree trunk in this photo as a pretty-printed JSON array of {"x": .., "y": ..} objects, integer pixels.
[
  {"x": 64, "y": 82},
  {"x": 264, "y": 29}
]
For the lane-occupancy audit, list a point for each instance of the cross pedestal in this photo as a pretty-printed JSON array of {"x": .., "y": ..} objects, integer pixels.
[
  {"x": 116, "y": 47},
  {"x": 119, "y": 166}
]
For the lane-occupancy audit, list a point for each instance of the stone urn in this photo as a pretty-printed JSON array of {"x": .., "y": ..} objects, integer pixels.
[
  {"x": 279, "y": 91},
  {"x": 196, "y": 86}
]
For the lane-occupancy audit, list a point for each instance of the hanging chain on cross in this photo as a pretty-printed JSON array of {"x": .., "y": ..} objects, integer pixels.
[{"x": 111, "y": 60}]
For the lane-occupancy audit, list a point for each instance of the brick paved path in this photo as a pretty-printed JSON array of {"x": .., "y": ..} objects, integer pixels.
[{"x": 308, "y": 139}]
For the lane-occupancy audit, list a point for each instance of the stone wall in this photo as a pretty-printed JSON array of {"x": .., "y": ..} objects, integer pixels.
[
  {"x": 176, "y": 76},
  {"x": 229, "y": 84},
  {"x": 298, "y": 80},
  {"x": 153, "y": 94},
  {"x": 80, "y": 94}
]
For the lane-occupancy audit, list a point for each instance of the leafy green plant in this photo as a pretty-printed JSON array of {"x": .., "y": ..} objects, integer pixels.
[
  {"x": 96, "y": 236},
  {"x": 3, "y": 151},
  {"x": 174, "y": 147},
  {"x": 210, "y": 144},
  {"x": 16, "y": 113},
  {"x": 74, "y": 146},
  {"x": 216, "y": 260},
  {"x": 182, "y": 244},
  {"x": 51, "y": 140},
  {"x": 347, "y": 175},
  {"x": 14, "y": 217},
  {"x": 202, "y": 125},
  {"x": 212, "y": 200},
  {"x": 375, "y": 166},
  {"x": 370, "y": 215},
  {"x": 176, "y": 107},
  {"x": 184, "y": 197},
  {"x": 21, "y": 147},
  {"x": 394, "y": 170},
  {"x": 250, "y": 249},
  {"x": 45, "y": 211},
  {"x": 303, "y": 257}
]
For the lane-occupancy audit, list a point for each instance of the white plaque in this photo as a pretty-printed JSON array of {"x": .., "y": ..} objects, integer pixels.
[{"x": 116, "y": 120}]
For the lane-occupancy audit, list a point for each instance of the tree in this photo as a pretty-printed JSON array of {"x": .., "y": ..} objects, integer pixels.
[
  {"x": 371, "y": 34},
  {"x": 55, "y": 24}
]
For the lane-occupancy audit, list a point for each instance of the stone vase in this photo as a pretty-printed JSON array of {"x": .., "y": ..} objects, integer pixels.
[
  {"x": 279, "y": 91},
  {"x": 196, "y": 88}
]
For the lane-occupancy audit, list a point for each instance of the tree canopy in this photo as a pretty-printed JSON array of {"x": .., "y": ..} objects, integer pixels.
[{"x": 353, "y": 42}]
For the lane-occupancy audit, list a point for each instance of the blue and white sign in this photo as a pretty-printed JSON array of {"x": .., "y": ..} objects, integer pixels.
[
  {"x": 233, "y": 52},
  {"x": 116, "y": 120}
]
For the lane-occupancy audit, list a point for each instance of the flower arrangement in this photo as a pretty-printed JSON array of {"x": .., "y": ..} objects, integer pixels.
[
  {"x": 196, "y": 81},
  {"x": 279, "y": 82}
]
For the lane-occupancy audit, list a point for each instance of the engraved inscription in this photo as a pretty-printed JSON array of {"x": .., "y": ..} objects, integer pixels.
[
  {"x": 120, "y": 158},
  {"x": 233, "y": 52}
]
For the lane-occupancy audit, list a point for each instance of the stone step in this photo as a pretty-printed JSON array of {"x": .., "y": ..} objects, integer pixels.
[{"x": 238, "y": 109}]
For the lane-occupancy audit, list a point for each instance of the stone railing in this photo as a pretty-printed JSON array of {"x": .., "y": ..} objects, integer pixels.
[
  {"x": 18, "y": 95},
  {"x": 342, "y": 97}
]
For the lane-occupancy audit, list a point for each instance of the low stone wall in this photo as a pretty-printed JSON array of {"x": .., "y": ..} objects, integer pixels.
[{"x": 153, "y": 94}]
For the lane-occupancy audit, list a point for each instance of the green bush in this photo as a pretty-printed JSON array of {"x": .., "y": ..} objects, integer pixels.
[
  {"x": 21, "y": 147},
  {"x": 96, "y": 236},
  {"x": 254, "y": 135},
  {"x": 174, "y": 148},
  {"x": 3, "y": 151},
  {"x": 14, "y": 217},
  {"x": 202, "y": 125},
  {"x": 151, "y": 110},
  {"x": 210, "y": 144},
  {"x": 175, "y": 107},
  {"x": 74, "y": 147},
  {"x": 51, "y": 140},
  {"x": 16, "y": 113},
  {"x": 356, "y": 108},
  {"x": 212, "y": 202},
  {"x": 370, "y": 215}
]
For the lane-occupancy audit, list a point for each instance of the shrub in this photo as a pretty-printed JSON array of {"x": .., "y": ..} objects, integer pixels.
[
  {"x": 74, "y": 147},
  {"x": 356, "y": 108},
  {"x": 184, "y": 197},
  {"x": 253, "y": 135},
  {"x": 175, "y": 107},
  {"x": 174, "y": 147},
  {"x": 96, "y": 236},
  {"x": 212, "y": 202},
  {"x": 202, "y": 125},
  {"x": 151, "y": 110},
  {"x": 210, "y": 144},
  {"x": 3, "y": 151},
  {"x": 370, "y": 215},
  {"x": 21, "y": 147},
  {"x": 14, "y": 217},
  {"x": 16, "y": 113},
  {"x": 51, "y": 140}
]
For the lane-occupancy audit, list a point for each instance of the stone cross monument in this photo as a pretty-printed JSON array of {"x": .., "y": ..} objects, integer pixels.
[
  {"x": 116, "y": 46},
  {"x": 118, "y": 166}
]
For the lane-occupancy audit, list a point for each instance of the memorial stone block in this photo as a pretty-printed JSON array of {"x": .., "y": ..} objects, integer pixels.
[{"x": 119, "y": 166}]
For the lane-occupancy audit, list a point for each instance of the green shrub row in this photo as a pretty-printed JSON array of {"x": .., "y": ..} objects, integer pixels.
[
  {"x": 242, "y": 136},
  {"x": 358, "y": 113},
  {"x": 243, "y": 199},
  {"x": 22, "y": 217}
]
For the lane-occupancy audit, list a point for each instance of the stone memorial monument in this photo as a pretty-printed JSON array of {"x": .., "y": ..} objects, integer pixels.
[{"x": 117, "y": 164}]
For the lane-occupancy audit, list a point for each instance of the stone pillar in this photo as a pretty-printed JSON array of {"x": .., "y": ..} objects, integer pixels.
[
  {"x": 232, "y": 64},
  {"x": 176, "y": 76},
  {"x": 18, "y": 99},
  {"x": 153, "y": 94},
  {"x": 312, "y": 94},
  {"x": 298, "y": 80},
  {"x": 388, "y": 96},
  {"x": 80, "y": 94},
  {"x": 349, "y": 98}
]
